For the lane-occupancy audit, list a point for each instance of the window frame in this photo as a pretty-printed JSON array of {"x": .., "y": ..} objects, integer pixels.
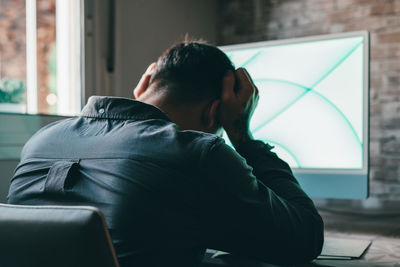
[{"x": 70, "y": 41}]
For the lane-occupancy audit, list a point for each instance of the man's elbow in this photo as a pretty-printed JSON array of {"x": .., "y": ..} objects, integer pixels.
[
  {"x": 312, "y": 245},
  {"x": 300, "y": 247},
  {"x": 306, "y": 244}
]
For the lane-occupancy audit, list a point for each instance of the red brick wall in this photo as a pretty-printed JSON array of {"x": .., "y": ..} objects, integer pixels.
[
  {"x": 12, "y": 39},
  {"x": 256, "y": 20},
  {"x": 13, "y": 43}
]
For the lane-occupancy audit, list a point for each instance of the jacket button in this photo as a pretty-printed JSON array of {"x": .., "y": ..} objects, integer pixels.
[{"x": 101, "y": 111}]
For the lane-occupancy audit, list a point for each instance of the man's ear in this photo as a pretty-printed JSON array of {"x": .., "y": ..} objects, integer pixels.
[
  {"x": 143, "y": 84},
  {"x": 210, "y": 116}
]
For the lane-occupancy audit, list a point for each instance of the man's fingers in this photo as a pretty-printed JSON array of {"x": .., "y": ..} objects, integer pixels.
[
  {"x": 248, "y": 76},
  {"x": 251, "y": 82},
  {"x": 246, "y": 86},
  {"x": 228, "y": 86}
]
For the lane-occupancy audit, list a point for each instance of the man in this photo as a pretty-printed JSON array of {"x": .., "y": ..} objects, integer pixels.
[{"x": 168, "y": 186}]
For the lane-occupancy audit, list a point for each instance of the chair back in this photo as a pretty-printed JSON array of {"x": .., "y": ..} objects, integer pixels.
[{"x": 54, "y": 236}]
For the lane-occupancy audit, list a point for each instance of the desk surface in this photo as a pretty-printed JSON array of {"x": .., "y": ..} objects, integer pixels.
[{"x": 382, "y": 228}]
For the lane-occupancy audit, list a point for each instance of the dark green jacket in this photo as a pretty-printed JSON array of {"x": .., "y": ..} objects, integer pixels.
[{"x": 169, "y": 194}]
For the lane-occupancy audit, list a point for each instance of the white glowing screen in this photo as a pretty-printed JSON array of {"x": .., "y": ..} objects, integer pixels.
[{"x": 311, "y": 100}]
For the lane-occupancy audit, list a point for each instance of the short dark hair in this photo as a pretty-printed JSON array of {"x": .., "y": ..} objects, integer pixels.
[{"x": 191, "y": 71}]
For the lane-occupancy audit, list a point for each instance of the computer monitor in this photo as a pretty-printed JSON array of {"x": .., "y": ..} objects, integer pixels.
[{"x": 313, "y": 108}]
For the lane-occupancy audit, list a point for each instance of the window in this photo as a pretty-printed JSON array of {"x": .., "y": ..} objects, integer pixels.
[{"x": 41, "y": 66}]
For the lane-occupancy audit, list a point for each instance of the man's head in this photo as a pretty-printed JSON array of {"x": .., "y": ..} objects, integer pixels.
[{"x": 186, "y": 82}]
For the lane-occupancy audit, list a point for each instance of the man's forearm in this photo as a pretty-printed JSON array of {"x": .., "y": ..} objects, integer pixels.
[
  {"x": 277, "y": 175},
  {"x": 271, "y": 170},
  {"x": 260, "y": 206}
]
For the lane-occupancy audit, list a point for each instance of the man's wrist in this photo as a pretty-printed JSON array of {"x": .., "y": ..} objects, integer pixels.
[{"x": 238, "y": 140}]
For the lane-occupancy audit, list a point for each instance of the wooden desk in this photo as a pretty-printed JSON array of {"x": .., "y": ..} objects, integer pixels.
[{"x": 383, "y": 228}]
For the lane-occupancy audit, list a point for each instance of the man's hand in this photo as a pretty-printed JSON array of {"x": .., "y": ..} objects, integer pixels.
[{"x": 239, "y": 99}]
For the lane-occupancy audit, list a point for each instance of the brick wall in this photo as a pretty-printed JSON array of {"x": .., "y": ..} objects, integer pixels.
[
  {"x": 13, "y": 44},
  {"x": 12, "y": 39},
  {"x": 257, "y": 20}
]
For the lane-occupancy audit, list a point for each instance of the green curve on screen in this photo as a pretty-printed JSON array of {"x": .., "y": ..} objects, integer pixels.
[
  {"x": 341, "y": 114},
  {"x": 284, "y": 148},
  {"x": 307, "y": 90},
  {"x": 251, "y": 59}
]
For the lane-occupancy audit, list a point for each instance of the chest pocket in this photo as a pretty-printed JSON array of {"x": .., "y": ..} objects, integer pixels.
[{"x": 61, "y": 176}]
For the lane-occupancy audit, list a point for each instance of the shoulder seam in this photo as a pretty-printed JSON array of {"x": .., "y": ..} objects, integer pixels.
[{"x": 211, "y": 144}]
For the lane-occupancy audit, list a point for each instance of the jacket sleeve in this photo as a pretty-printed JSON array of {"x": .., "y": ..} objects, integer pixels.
[{"x": 255, "y": 208}]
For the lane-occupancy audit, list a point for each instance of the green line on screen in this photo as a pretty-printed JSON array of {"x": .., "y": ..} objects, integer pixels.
[
  {"x": 337, "y": 64},
  {"x": 284, "y": 148},
  {"x": 307, "y": 90},
  {"x": 318, "y": 94},
  {"x": 251, "y": 59},
  {"x": 280, "y": 112},
  {"x": 283, "y": 81},
  {"x": 340, "y": 113}
]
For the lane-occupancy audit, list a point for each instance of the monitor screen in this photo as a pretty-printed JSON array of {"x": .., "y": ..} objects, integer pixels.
[{"x": 313, "y": 105}]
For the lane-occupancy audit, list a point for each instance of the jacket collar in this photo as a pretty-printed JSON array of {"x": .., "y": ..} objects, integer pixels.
[{"x": 121, "y": 109}]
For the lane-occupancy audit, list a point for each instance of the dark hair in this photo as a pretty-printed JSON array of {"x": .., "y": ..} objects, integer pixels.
[{"x": 191, "y": 71}]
